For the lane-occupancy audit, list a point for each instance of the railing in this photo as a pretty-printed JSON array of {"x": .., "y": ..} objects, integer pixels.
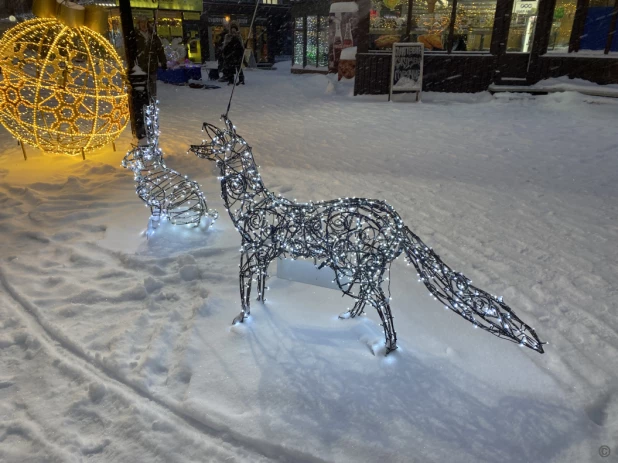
[
  {"x": 441, "y": 72},
  {"x": 373, "y": 72}
]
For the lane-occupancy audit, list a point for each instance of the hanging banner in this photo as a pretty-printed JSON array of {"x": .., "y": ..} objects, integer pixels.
[
  {"x": 407, "y": 69},
  {"x": 342, "y": 31}
]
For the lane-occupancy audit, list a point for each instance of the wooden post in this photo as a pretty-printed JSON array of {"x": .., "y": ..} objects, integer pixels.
[
  {"x": 83, "y": 154},
  {"x": 579, "y": 22},
  {"x": 451, "y": 28},
  {"x": 500, "y": 37},
  {"x": 409, "y": 22},
  {"x": 114, "y": 146},
  {"x": 23, "y": 150},
  {"x": 612, "y": 28},
  {"x": 540, "y": 42},
  {"x": 136, "y": 98}
]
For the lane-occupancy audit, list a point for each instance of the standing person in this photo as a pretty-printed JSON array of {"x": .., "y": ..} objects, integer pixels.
[
  {"x": 219, "y": 53},
  {"x": 233, "y": 51},
  {"x": 149, "y": 54}
]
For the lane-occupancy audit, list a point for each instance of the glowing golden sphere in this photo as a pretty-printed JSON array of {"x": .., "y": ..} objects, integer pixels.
[{"x": 62, "y": 89}]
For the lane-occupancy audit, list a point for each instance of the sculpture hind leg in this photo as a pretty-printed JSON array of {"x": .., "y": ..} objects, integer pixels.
[
  {"x": 374, "y": 294},
  {"x": 358, "y": 309},
  {"x": 381, "y": 302},
  {"x": 153, "y": 221},
  {"x": 390, "y": 335}
]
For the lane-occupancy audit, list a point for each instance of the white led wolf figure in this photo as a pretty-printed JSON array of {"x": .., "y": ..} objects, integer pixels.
[
  {"x": 357, "y": 238},
  {"x": 169, "y": 194}
]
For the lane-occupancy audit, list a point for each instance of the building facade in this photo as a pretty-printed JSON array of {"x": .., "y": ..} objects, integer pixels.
[
  {"x": 471, "y": 44},
  {"x": 175, "y": 20},
  {"x": 271, "y": 35}
]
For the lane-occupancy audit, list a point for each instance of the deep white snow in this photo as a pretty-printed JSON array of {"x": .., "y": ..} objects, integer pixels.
[{"x": 118, "y": 348}]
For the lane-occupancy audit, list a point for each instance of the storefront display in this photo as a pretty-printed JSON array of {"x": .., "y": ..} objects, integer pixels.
[
  {"x": 271, "y": 35},
  {"x": 174, "y": 19},
  {"x": 342, "y": 31},
  {"x": 562, "y": 25},
  {"x": 388, "y": 19},
  {"x": 311, "y": 37},
  {"x": 470, "y": 44},
  {"x": 523, "y": 22},
  {"x": 599, "y": 28}
]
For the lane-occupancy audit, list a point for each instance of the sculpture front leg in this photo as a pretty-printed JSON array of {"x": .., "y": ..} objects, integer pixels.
[
  {"x": 261, "y": 283},
  {"x": 244, "y": 280}
]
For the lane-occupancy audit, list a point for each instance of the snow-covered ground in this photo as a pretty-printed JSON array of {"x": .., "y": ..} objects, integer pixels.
[{"x": 118, "y": 348}]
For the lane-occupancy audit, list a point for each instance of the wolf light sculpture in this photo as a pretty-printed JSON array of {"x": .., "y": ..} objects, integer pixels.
[
  {"x": 357, "y": 238},
  {"x": 168, "y": 193}
]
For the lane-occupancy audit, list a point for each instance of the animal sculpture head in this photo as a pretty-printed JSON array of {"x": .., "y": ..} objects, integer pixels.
[
  {"x": 225, "y": 147},
  {"x": 142, "y": 158}
]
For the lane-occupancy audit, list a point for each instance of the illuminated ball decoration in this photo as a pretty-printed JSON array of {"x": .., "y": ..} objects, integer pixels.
[{"x": 62, "y": 89}]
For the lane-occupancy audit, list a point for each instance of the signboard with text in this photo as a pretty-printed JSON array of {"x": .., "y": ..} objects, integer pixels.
[
  {"x": 525, "y": 7},
  {"x": 407, "y": 69}
]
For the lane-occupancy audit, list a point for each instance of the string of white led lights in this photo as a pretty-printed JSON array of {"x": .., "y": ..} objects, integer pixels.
[
  {"x": 358, "y": 238},
  {"x": 170, "y": 195}
]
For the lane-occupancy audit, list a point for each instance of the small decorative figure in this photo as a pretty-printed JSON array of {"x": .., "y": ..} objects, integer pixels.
[{"x": 169, "y": 194}]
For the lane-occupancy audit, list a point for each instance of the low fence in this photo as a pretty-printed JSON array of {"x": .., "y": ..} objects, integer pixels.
[{"x": 470, "y": 73}]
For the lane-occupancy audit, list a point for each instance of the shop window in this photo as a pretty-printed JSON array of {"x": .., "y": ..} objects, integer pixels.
[
  {"x": 474, "y": 22},
  {"x": 323, "y": 42},
  {"x": 562, "y": 26},
  {"x": 312, "y": 40},
  {"x": 315, "y": 51},
  {"x": 169, "y": 24},
  {"x": 429, "y": 23},
  {"x": 523, "y": 22},
  {"x": 262, "y": 44},
  {"x": 299, "y": 46},
  {"x": 388, "y": 20},
  {"x": 597, "y": 29}
]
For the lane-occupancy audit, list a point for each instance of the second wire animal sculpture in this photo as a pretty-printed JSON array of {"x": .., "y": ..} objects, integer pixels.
[
  {"x": 169, "y": 194},
  {"x": 358, "y": 238}
]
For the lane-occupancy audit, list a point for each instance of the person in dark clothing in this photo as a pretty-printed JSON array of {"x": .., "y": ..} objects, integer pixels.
[
  {"x": 149, "y": 54},
  {"x": 219, "y": 53},
  {"x": 233, "y": 51}
]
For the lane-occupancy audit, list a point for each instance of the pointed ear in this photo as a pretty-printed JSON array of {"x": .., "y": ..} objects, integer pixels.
[
  {"x": 212, "y": 131},
  {"x": 205, "y": 151},
  {"x": 229, "y": 126}
]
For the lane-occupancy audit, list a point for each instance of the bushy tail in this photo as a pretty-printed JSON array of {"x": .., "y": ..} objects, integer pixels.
[{"x": 456, "y": 292}]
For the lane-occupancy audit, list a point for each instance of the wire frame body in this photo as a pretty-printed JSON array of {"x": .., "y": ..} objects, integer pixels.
[
  {"x": 169, "y": 194},
  {"x": 62, "y": 89},
  {"x": 356, "y": 237}
]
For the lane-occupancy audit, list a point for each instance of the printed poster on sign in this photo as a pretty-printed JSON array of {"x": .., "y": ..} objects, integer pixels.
[
  {"x": 407, "y": 69},
  {"x": 342, "y": 32}
]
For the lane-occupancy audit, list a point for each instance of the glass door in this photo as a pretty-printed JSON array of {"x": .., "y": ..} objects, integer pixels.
[{"x": 515, "y": 63}]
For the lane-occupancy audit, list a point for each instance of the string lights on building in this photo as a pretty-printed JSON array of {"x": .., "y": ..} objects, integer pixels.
[
  {"x": 170, "y": 195},
  {"x": 358, "y": 238}
]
